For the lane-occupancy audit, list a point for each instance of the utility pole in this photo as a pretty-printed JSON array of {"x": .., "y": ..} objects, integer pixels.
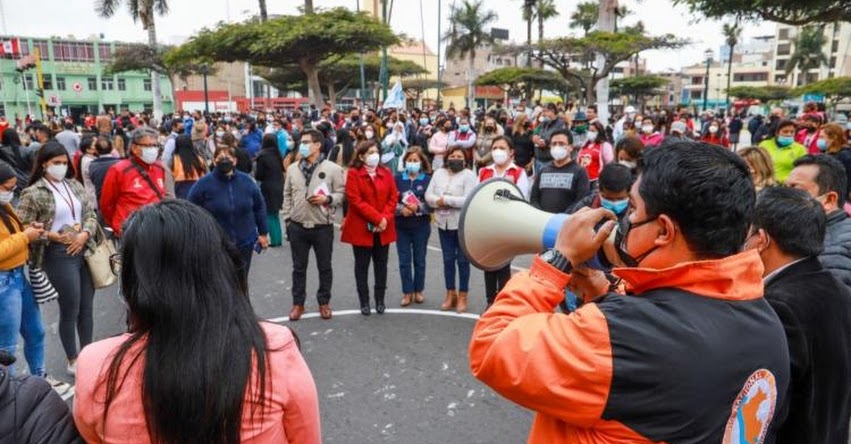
[
  {"x": 439, "y": 70},
  {"x": 362, "y": 74},
  {"x": 708, "y": 53},
  {"x": 205, "y": 69}
]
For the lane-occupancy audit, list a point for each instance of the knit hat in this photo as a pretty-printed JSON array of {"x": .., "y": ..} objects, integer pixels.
[{"x": 6, "y": 172}]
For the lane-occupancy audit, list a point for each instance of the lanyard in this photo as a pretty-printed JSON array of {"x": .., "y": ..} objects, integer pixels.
[{"x": 69, "y": 200}]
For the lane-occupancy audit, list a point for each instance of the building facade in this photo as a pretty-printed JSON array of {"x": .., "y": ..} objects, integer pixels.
[
  {"x": 74, "y": 80},
  {"x": 837, "y": 49}
]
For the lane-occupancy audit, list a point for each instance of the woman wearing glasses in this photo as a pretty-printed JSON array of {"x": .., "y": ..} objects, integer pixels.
[
  {"x": 62, "y": 206},
  {"x": 169, "y": 379}
]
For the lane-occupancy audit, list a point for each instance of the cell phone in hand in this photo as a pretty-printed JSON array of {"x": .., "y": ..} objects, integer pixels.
[{"x": 258, "y": 248}]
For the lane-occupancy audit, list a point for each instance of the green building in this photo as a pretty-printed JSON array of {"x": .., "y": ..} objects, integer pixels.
[{"x": 74, "y": 81}]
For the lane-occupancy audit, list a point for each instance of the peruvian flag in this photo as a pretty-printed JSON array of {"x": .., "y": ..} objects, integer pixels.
[{"x": 10, "y": 47}]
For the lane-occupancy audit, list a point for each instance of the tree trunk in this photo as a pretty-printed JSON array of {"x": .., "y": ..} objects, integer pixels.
[
  {"x": 729, "y": 76},
  {"x": 264, "y": 15},
  {"x": 529, "y": 35},
  {"x": 605, "y": 23},
  {"x": 314, "y": 88},
  {"x": 332, "y": 94},
  {"x": 471, "y": 90},
  {"x": 155, "y": 76},
  {"x": 540, "y": 23},
  {"x": 308, "y": 6}
]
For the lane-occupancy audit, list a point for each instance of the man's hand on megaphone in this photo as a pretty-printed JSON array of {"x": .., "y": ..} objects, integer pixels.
[
  {"x": 588, "y": 283},
  {"x": 578, "y": 241}
]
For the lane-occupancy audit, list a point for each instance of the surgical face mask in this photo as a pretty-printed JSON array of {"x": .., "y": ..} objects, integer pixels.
[
  {"x": 424, "y": 121},
  {"x": 558, "y": 152},
  {"x": 464, "y": 128},
  {"x": 822, "y": 144},
  {"x": 6, "y": 197},
  {"x": 592, "y": 136},
  {"x": 220, "y": 134},
  {"x": 543, "y": 119},
  {"x": 500, "y": 156},
  {"x": 304, "y": 150},
  {"x": 412, "y": 167},
  {"x": 784, "y": 141},
  {"x": 368, "y": 134},
  {"x": 615, "y": 206},
  {"x": 631, "y": 164},
  {"x": 224, "y": 165},
  {"x": 372, "y": 160},
  {"x": 57, "y": 171},
  {"x": 647, "y": 129},
  {"x": 713, "y": 129},
  {"x": 149, "y": 155}
]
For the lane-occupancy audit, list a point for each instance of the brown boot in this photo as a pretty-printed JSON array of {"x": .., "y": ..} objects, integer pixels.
[
  {"x": 450, "y": 300},
  {"x": 462, "y": 302},
  {"x": 419, "y": 298},
  {"x": 406, "y": 300}
]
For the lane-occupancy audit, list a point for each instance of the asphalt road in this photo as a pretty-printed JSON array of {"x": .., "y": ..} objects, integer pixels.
[{"x": 401, "y": 377}]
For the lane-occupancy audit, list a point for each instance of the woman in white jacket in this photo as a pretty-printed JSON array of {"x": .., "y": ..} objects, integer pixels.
[{"x": 446, "y": 193}]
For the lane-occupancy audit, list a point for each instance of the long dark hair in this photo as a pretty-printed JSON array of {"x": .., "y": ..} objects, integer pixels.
[
  {"x": 47, "y": 152},
  {"x": 362, "y": 148},
  {"x": 202, "y": 341},
  {"x": 86, "y": 142},
  {"x": 11, "y": 137},
  {"x": 270, "y": 145},
  {"x": 184, "y": 149},
  {"x": 347, "y": 145}
]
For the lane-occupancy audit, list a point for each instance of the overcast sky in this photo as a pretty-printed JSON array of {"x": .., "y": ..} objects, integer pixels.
[{"x": 78, "y": 18}]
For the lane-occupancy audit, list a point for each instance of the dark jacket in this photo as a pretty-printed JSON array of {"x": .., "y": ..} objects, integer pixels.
[
  {"x": 836, "y": 256},
  {"x": 844, "y": 156},
  {"x": 418, "y": 187},
  {"x": 235, "y": 202},
  {"x": 98, "y": 169},
  {"x": 557, "y": 188},
  {"x": 815, "y": 309},
  {"x": 32, "y": 413},
  {"x": 270, "y": 173},
  {"x": 251, "y": 141},
  {"x": 545, "y": 131}
]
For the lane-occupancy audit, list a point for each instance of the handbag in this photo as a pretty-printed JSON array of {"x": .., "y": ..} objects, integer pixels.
[
  {"x": 42, "y": 289},
  {"x": 98, "y": 260}
]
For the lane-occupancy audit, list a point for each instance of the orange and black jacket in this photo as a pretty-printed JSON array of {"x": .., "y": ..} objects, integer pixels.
[{"x": 693, "y": 354}]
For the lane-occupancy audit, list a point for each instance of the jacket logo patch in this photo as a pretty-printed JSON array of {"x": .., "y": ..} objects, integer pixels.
[{"x": 752, "y": 410}]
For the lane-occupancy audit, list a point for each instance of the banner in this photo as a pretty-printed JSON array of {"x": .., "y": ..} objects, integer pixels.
[
  {"x": 395, "y": 97},
  {"x": 10, "y": 48}
]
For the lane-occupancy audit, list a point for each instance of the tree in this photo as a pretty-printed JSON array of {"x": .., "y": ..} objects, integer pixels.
[
  {"x": 415, "y": 87},
  {"x": 585, "y": 16},
  {"x": 783, "y": 11},
  {"x": 544, "y": 10},
  {"x": 732, "y": 33},
  {"x": 808, "y": 52},
  {"x": 836, "y": 88},
  {"x": 142, "y": 11},
  {"x": 264, "y": 15},
  {"x": 139, "y": 57},
  {"x": 764, "y": 94},
  {"x": 639, "y": 87},
  {"x": 467, "y": 33},
  {"x": 528, "y": 14},
  {"x": 518, "y": 81},
  {"x": 303, "y": 40}
]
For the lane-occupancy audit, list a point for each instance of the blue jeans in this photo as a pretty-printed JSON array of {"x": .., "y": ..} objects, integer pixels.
[
  {"x": 452, "y": 254},
  {"x": 411, "y": 245},
  {"x": 20, "y": 314}
]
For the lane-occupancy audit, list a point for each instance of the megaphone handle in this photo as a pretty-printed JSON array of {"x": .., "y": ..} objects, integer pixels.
[{"x": 551, "y": 230}]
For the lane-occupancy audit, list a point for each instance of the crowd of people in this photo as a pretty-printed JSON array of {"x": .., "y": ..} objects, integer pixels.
[{"x": 215, "y": 189}]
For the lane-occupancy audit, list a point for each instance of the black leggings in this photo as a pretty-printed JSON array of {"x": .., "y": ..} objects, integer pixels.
[
  {"x": 363, "y": 255},
  {"x": 70, "y": 276},
  {"x": 495, "y": 281}
]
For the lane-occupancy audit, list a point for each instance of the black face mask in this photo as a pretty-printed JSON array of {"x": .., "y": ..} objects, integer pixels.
[
  {"x": 224, "y": 166},
  {"x": 620, "y": 241},
  {"x": 455, "y": 165}
]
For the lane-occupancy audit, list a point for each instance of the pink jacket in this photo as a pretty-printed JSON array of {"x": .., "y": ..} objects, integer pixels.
[{"x": 294, "y": 415}]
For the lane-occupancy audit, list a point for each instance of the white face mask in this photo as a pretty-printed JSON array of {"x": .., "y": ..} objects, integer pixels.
[
  {"x": 57, "y": 171},
  {"x": 149, "y": 155},
  {"x": 220, "y": 134},
  {"x": 713, "y": 129},
  {"x": 592, "y": 136},
  {"x": 558, "y": 152},
  {"x": 647, "y": 129},
  {"x": 628, "y": 163},
  {"x": 500, "y": 156},
  {"x": 6, "y": 197},
  {"x": 372, "y": 160},
  {"x": 368, "y": 134}
]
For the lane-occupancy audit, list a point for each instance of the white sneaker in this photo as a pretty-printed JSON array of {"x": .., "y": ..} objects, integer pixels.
[
  {"x": 72, "y": 368},
  {"x": 58, "y": 386}
]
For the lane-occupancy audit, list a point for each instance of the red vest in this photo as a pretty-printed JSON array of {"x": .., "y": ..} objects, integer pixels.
[{"x": 513, "y": 172}]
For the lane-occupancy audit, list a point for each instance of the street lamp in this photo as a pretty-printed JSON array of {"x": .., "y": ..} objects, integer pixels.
[
  {"x": 708, "y": 54},
  {"x": 204, "y": 69}
]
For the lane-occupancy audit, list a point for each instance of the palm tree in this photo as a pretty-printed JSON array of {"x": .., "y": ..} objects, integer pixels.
[
  {"x": 528, "y": 15},
  {"x": 808, "y": 52},
  {"x": 143, "y": 11},
  {"x": 732, "y": 34},
  {"x": 467, "y": 34},
  {"x": 620, "y": 12},
  {"x": 545, "y": 10},
  {"x": 308, "y": 6},
  {"x": 264, "y": 15},
  {"x": 585, "y": 16}
]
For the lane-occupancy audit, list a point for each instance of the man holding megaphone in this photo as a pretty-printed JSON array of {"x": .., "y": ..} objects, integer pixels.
[{"x": 691, "y": 354}]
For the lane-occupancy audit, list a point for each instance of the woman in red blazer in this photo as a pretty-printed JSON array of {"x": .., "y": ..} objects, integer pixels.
[{"x": 369, "y": 225}]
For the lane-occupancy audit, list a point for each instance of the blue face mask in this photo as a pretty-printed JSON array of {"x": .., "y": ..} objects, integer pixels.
[
  {"x": 304, "y": 150},
  {"x": 424, "y": 121},
  {"x": 615, "y": 206},
  {"x": 822, "y": 144},
  {"x": 783, "y": 141},
  {"x": 464, "y": 128},
  {"x": 412, "y": 167}
]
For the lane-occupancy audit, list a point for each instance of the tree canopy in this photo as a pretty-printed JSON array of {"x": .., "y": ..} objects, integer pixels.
[
  {"x": 302, "y": 40},
  {"x": 762, "y": 93},
  {"x": 139, "y": 57},
  {"x": 518, "y": 81},
  {"x": 639, "y": 86},
  {"x": 791, "y": 12},
  {"x": 835, "y": 88}
]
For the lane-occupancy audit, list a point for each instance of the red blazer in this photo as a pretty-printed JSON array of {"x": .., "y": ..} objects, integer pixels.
[{"x": 370, "y": 200}]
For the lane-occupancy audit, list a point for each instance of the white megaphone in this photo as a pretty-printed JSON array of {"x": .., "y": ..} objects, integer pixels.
[{"x": 498, "y": 224}]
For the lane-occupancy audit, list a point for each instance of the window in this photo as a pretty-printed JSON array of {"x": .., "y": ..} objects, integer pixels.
[
  {"x": 835, "y": 46},
  {"x": 122, "y": 85},
  {"x": 751, "y": 77},
  {"x": 28, "y": 82},
  {"x": 780, "y": 79},
  {"x": 60, "y": 83},
  {"x": 697, "y": 80},
  {"x": 832, "y": 62},
  {"x": 812, "y": 77},
  {"x": 783, "y": 34},
  {"x": 40, "y": 44},
  {"x": 93, "y": 84},
  {"x": 146, "y": 85},
  {"x": 784, "y": 49},
  {"x": 48, "y": 82},
  {"x": 104, "y": 52},
  {"x": 696, "y": 95},
  {"x": 73, "y": 51},
  {"x": 781, "y": 65},
  {"x": 107, "y": 84}
]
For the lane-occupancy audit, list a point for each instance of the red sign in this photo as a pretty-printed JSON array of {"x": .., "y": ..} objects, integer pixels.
[
  {"x": 10, "y": 47},
  {"x": 77, "y": 86}
]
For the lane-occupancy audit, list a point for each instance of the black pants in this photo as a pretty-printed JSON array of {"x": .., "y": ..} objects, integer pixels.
[
  {"x": 495, "y": 280},
  {"x": 378, "y": 254},
  {"x": 71, "y": 278},
  {"x": 246, "y": 253},
  {"x": 321, "y": 239}
]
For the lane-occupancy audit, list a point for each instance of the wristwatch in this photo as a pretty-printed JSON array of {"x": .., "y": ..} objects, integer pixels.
[{"x": 557, "y": 260}]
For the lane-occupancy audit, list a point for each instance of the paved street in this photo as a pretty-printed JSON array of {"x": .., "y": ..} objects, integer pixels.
[{"x": 401, "y": 377}]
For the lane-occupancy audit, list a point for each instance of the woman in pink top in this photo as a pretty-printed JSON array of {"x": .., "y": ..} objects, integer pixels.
[
  {"x": 196, "y": 365},
  {"x": 650, "y": 133}
]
